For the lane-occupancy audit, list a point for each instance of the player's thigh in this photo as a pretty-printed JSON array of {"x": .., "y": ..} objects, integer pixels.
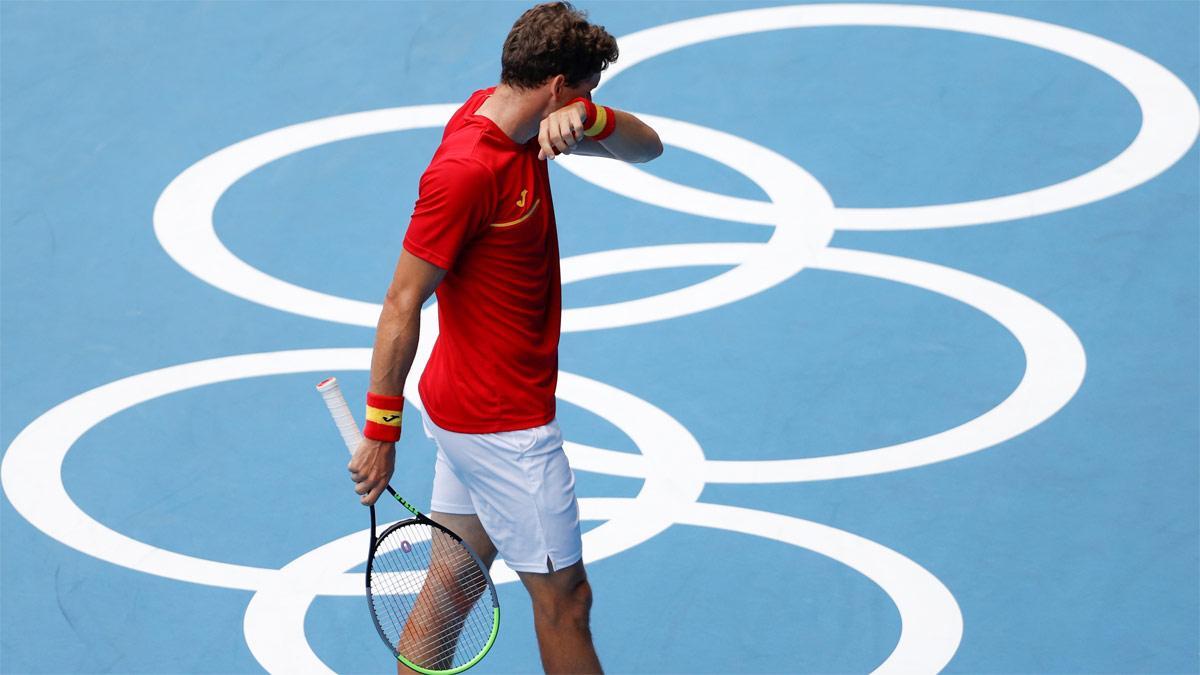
[{"x": 471, "y": 530}]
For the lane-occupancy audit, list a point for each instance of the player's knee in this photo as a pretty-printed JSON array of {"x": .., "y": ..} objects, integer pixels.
[
  {"x": 459, "y": 591},
  {"x": 579, "y": 603},
  {"x": 569, "y": 607}
]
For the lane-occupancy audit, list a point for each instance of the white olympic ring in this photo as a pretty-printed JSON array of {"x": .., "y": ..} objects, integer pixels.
[
  {"x": 1055, "y": 363},
  {"x": 31, "y": 472},
  {"x": 932, "y": 621},
  {"x": 184, "y": 226},
  {"x": 1170, "y": 114}
]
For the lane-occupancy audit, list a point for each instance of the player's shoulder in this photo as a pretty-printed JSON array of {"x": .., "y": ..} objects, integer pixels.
[
  {"x": 464, "y": 165},
  {"x": 462, "y": 170}
]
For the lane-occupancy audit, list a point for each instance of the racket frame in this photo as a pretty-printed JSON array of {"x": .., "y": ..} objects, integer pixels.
[{"x": 421, "y": 518}]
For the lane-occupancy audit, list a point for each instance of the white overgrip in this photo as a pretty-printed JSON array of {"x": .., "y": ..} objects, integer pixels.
[{"x": 347, "y": 427}]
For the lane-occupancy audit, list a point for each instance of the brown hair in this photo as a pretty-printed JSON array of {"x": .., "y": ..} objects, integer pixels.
[{"x": 554, "y": 39}]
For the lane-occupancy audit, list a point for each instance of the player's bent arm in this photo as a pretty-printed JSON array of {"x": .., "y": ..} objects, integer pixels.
[
  {"x": 396, "y": 338},
  {"x": 632, "y": 140}
]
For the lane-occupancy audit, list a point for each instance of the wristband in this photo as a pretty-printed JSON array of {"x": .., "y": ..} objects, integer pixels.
[
  {"x": 595, "y": 123},
  {"x": 384, "y": 414},
  {"x": 606, "y": 120},
  {"x": 599, "y": 120}
]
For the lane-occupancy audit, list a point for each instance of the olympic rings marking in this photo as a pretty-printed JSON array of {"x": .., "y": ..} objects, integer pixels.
[
  {"x": 1170, "y": 113},
  {"x": 1170, "y": 119}
]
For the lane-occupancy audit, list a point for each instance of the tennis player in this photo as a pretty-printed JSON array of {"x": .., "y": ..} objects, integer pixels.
[{"x": 483, "y": 236}]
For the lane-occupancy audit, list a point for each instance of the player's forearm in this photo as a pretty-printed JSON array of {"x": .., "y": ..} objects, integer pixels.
[
  {"x": 632, "y": 140},
  {"x": 396, "y": 339}
]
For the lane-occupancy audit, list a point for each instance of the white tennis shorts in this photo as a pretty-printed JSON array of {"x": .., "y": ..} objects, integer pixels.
[{"x": 521, "y": 487}]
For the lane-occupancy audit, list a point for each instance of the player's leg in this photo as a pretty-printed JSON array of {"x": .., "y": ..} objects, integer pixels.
[
  {"x": 451, "y": 589},
  {"x": 562, "y": 602},
  {"x": 524, "y": 491}
]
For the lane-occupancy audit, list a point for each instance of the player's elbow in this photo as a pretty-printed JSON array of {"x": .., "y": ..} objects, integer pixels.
[
  {"x": 652, "y": 148},
  {"x": 402, "y": 301}
]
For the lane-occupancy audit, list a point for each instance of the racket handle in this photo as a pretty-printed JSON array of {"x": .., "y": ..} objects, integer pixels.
[
  {"x": 332, "y": 393},
  {"x": 342, "y": 417}
]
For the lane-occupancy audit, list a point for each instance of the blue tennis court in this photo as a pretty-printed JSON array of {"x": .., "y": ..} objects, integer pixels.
[{"x": 888, "y": 364}]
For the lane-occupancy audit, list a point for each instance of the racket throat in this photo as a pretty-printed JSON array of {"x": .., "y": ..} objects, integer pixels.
[{"x": 403, "y": 503}]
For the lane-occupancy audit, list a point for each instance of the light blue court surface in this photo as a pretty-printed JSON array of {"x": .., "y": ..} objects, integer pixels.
[{"x": 909, "y": 382}]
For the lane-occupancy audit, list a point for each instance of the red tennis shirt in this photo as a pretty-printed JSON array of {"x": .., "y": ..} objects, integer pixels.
[{"x": 484, "y": 215}]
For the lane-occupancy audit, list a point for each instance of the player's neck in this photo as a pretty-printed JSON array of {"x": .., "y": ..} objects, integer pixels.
[{"x": 518, "y": 112}]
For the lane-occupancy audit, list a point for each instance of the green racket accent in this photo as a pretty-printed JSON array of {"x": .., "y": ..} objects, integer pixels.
[
  {"x": 404, "y": 503},
  {"x": 478, "y": 657}
]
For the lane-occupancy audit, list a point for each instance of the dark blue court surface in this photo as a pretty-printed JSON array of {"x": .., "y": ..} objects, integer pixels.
[{"x": 889, "y": 363}]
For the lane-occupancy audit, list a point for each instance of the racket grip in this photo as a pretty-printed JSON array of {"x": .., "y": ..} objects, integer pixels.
[{"x": 342, "y": 417}]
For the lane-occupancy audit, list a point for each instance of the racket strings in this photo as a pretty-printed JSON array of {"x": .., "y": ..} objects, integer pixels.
[
  {"x": 429, "y": 597},
  {"x": 449, "y": 607},
  {"x": 450, "y": 597}
]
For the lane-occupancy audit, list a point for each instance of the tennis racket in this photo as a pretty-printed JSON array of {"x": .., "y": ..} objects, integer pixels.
[{"x": 430, "y": 596}]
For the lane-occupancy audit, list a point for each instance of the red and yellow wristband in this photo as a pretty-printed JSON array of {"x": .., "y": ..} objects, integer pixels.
[
  {"x": 600, "y": 120},
  {"x": 384, "y": 414}
]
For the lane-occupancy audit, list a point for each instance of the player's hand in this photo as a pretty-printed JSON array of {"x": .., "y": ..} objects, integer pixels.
[
  {"x": 561, "y": 131},
  {"x": 371, "y": 468}
]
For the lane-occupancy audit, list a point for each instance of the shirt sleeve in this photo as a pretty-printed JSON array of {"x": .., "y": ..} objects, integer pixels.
[{"x": 456, "y": 200}]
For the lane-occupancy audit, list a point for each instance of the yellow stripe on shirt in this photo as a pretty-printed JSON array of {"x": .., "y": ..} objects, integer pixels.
[{"x": 522, "y": 219}]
